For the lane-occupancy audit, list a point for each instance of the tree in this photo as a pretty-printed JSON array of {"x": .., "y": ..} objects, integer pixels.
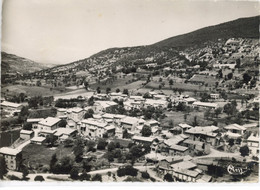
[
  {"x": 86, "y": 85},
  {"x": 244, "y": 151},
  {"x": 195, "y": 122},
  {"x": 85, "y": 176},
  {"x": 91, "y": 101},
  {"x": 78, "y": 149},
  {"x": 229, "y": 76},
  {"x": 111, "y": 146},
  {"x": 27, "y": 126},
  {"x": 39, "y": 178},
  {"x": 38, "y": 83},
  {"x": 231, "y": 142},
  {"x": 125, "y": 134},
  {"x": 63, "y": 123},
  {"x": 168, "y": 177},
  {"x": 218, "y": 111},
  {"x": 98, "y": 90},
  {"x": 170, "y": 82},
  {"x": 101, "y": 145},
  {"x": 108, "y": 90},
  {"x": 53, "y": 162},
  {"x": 91, "y": 145},
  {"x": 246, "y": 78},
  {"x": 3, "y": 167},
  {"x": 74, "y": 173},
  {"x": 125, "y": 91},
  {"x": 146, "y": 131},
  {"x": 24, "y": 171},
  {"x": 117, "y": 90},
  {"x": 97, "y": 177},
  {"x": 86, "y": 165}
]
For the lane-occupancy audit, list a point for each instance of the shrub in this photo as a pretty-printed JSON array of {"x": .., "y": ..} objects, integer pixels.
[
  {"x": 127, "y": 170},
  {"x": 74, "y": 174},
  {"x": 168, "y": 177},
  {"x": 145, "y": 175},
  {"x": 97, "y": 177},
  {"x": 39, "y": 178}
]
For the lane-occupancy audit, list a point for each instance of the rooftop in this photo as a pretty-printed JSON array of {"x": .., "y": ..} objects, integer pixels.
[
  {"x": 10, "y": 104},
  {"x": 26, "y": 132},
  {"x": 38, "y": 139},
  {"x": 49, "y": 121},
  {"x": 183, "y": 165},
  {"x": 9, "y": 151}
]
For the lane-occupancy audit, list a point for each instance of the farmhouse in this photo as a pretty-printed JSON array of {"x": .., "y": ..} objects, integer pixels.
[
  {"x": 235, "y": 128},
  {"x": 50, "y": 123},
  {"x": 205, "y": 105},
  {"x": 93, "y": 128},
  {"x": 13, "y": 157},
  {"x": 11, "y": 107},
  {"x": 253, "y": 145}
]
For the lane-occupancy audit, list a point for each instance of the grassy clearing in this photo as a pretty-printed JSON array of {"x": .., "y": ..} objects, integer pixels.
[
  {"x": 36, "y": 155},
  {"x": 29, "y": 90}
]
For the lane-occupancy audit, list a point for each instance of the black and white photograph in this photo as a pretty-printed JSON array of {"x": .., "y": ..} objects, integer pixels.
[{"x": 116, "y": 91}]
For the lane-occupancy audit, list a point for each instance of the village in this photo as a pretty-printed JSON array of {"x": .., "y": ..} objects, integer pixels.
[{"x": 180, "y": 124}]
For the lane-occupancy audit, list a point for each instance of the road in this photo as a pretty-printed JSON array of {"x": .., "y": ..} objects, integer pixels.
[{"x": 216, "y": 154}]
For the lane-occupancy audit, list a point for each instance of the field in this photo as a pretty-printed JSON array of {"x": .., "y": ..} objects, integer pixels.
[
  {"x": 36, "y": 155},
  {"x": 178, "y": 117},
  {"x": 28, "y": 90}
]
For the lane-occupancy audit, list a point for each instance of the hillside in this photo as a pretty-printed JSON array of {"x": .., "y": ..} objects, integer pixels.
[
  {"x": 12, "y": 64},
  {"x": 240, "y": 28}
]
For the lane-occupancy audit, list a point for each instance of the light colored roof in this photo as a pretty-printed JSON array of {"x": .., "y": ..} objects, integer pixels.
[
  {"x": 204, "y": 179},
  {"x": 66, "y": 131},
  {"x": 152, "y": 122},
  {"x": 62, "y": 109},
  {"x": 206, "y": 130},
  {"x": 118, "y": 116},
  {"x": 190, "y": 99},
  {"x": 38, "y": 139},
  {"x": 232, "y": 135},
  {"x": 253, "y": 138},
  {"x": 188, "y": 141},
  {"x": 49, "y": 121},
  {"x": 34, "y": 120},
  {"x": 9, "y": 151},
  {"x": 205, "y": 104},
  {"x": 10, "y": 104},
  {"x": 178, "y": 147},
  {"x": 94, "y": 123},
  {"x": 146, "y": 139},
  {"x": 248, "y": 125},
  {"x": 75, "y": 110},
  {"x": 130, "y": 120},
  {"x": 235, "y": 127},
  {"x": 108, "y": 115},
  {"x": 47, "y": 131},
  {"x": 110, "y": 127},
  {"x": 155, "y": 102},
  {"x": 174, "y": 140},
  {"x": 183, "y": 165},
  {"x": 26, "y": 132},
  {"x": 106, "y": 104},
  {"x": 187, "y": 172},
  {"x": 184, "y": 125}
]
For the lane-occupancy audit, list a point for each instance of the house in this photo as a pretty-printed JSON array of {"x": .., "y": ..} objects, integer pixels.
[
  {"x": 205, "y": 134},
  {"x": 253, "y": 145},
  {"x": 153, "y": 123},
  {"x": 11, "y": 107},
  {"x": 76, "y": 114},
  {"x": 26, "y": 134},
  {"x": 235, "y": 128},
  {"x": 38, "y": 140},
  {"x": 205, "y": 105},
  {"x": 110, "y": 130},
  {"x": 156, "y": 103},
  {"x": 196, "y": 146},
  {"x": 186, "y": 175},
  {"x": 50, "y": 123},
  {"x": 13, "y": 157},
  {"x": 178, "y": 150},
  {"x": 100, "y": 106},
  {"x": 64, "y": 133},
  {"x": 117, "y": 95},
  {"x": 119, "y": 133},
  {"x": 184, "y": 127},
  {"x": 143, "y": 140},
  {"x": 214, "y": 96},
  {"x": 93, "y": 128},
  {"x": 34, "y": 122},
  {"x": 130, "y": 123},
  {"x": 46, "y": 133}
]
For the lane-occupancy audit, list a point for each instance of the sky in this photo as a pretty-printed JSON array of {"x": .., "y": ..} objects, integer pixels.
[{"x": 63, "y": 31}]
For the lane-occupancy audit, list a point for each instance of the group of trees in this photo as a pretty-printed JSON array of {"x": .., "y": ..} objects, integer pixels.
[{"x": 62, "y": 103}]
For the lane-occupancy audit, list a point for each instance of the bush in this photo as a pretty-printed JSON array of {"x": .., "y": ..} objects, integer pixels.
[
  {"x": 39, "y": 178},
  {"x": 168, "y": 177},
  {"x": 13, "y": 178},
  {"x": 74, "y": 174},
  {"x": 97, "y": 177},
  {"x": 127, "y": 170},
  {"x": 145, "y": 175}
]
